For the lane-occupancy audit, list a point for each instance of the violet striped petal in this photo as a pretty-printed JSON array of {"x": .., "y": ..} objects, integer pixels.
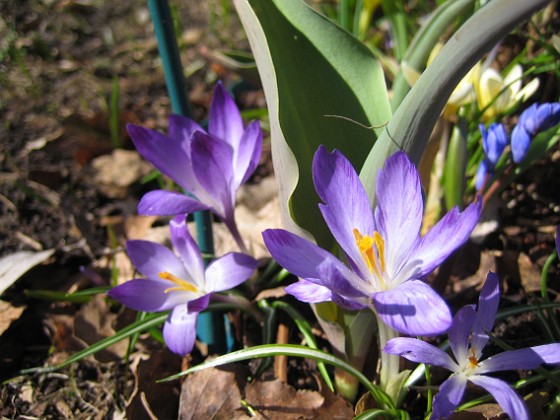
[
  {"x": 346, "y": 203},
  {"x": 225, "y": 120},
  {"x": 181, "y": 129},
  {"x": 527, "y": 358},
  {"x": 488, "y": 302},
  {"x": 413, "y": 308},
  {"x": 310, "y": 262},
  {"x": 229, "y": 271},
  {"x": 179, "y": 331},
  {"x": 398, "y": 215},
  {"x": 168, "y": 203},
  {"x": 306, "y": 291},
  {"x": 151, "y": 259},
  {"x": 167, "y": 156},
  {"x": 460, "y": 331},
  {"x": 449, "y": 396},
  {"x": 212, "y": 164},
  {"x": 504, "y": 395},
  {"x": 247, "y": 156},
  {"x": 199, "y": 304},
  {"x": 420, "y": 352},
  {"x": 149, "y": 295},
  {"x": 187, "y": 250},
  {"x": 446, "y": 236}
]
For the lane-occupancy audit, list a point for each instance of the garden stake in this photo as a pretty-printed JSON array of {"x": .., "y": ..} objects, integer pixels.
[{"x": 210, "y": 327}]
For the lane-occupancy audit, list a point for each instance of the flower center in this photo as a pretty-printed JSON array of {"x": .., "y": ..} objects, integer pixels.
[
  {"x": 372, "y": 249},
  {"x": 472, "y": 360},
  {"x": 181, "y": 284}
]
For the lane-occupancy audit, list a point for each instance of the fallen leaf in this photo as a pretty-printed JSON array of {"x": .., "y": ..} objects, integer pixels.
[
  {"x": 94, "y": 322},
  {"x": 277, "y": 400},
  {"x": 161, "y": 398},
  {"x": 8, "y": 313},
  {"x": 213, "y": 394}
]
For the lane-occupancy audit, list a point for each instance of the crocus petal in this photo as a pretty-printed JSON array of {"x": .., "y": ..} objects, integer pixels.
[
  {"x": 449, "y": 396},
  {"x": 179, "y": 331},
  {"x": 306, "y": 291},
  {"x": 446, "y": 236},
  {"x": 167, "y": 156},
  {"x": 528, "y": 358},
  {"x": 151, "y": 259},
  {"x": 481, "y": 173},
  {"x": 181, "y": 129},
  {"x": 420, "y": 352},
  {"x": 212, "y": 164},
  {"x": 248, "y": 154},
  {"x": 167, "y": 203},
  {"x": 513, "y": 78},
  {"x": 495, "y": 142},
  {"x": 225, "y": 121},
  {"x": 149, "y": 295},
  {"x": 198, "y": 305},
  {"x": 229, "y": 271},
  {"x": 413, "y": 308},
  {"x": 310, "y": 262},
  {"x": 399, "y": 209},
  {"x": 504, "y": 396},
  {"x": 520, "y": 142},
  {"x": 346, "y": 203},
  {"x": 486, "y": 313},
  {"x": 460, "y": 331},
  {"x": 187, "y": 250}
]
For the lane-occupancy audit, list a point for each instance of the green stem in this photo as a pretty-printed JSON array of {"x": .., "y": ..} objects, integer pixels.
[{"x": 389, "y": 362}]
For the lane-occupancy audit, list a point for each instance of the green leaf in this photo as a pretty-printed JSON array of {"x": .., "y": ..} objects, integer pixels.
[
  {"x": 144, "y": 324},
  {"x": 424, "y": 41},
  {"x": 291, "y": 350},
  {"x": 413, "y": 121},
  {"x": 318, "y": 81}
]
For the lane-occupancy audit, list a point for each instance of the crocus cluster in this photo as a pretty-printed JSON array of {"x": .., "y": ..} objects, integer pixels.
[
  {"x": 179, "y": 282},
  {"x": 386, "y": 257},
  {"x": 210, "y": 166},
  {"x": 535, "y": 119},
  {"x": 468, "y": 335}
]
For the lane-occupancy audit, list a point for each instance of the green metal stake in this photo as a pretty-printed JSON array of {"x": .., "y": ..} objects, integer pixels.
[{"x": 210, "y": 325}]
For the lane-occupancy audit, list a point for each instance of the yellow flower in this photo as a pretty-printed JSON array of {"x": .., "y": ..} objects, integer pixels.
[{"x": 495, "y": 93}]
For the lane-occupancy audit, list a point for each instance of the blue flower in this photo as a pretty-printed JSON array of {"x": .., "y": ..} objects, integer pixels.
[
  {"x": 468, "y": 336},
  {"x": 494, "y": 141},
  {"x": 387, "y": 258},
  {"x": 536, "y": 118}
]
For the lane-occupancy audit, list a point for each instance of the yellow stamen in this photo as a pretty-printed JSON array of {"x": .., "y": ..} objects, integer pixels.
[
  {"x": 473, "y": 361},
  {"x": 181, "y": 284},
  {"x": 372, "y": 250}
]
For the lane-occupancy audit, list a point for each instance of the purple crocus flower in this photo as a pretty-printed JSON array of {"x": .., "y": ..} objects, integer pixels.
[
  {"x": 494, "y": 141},
  {"x": 179, "y": 282},
  {"x": 210, "y": 166},
  {"x": 387, "y": 258},
  {"x": 467, "y": 337},
  {"x": 536, "y": 118}
]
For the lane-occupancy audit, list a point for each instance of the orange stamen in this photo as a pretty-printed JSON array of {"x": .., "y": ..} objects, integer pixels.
[{"x": 181, "y": 284}]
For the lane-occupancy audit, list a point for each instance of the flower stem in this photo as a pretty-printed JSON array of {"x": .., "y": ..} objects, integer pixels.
[
  {"x": 232, "y": 226},
  {"x": 389, "y": 362}
]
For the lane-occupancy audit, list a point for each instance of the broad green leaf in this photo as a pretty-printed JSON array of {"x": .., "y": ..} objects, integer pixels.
[
  {"x": 320, "y": 84},
  {"x": 413, "y": 121}
]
